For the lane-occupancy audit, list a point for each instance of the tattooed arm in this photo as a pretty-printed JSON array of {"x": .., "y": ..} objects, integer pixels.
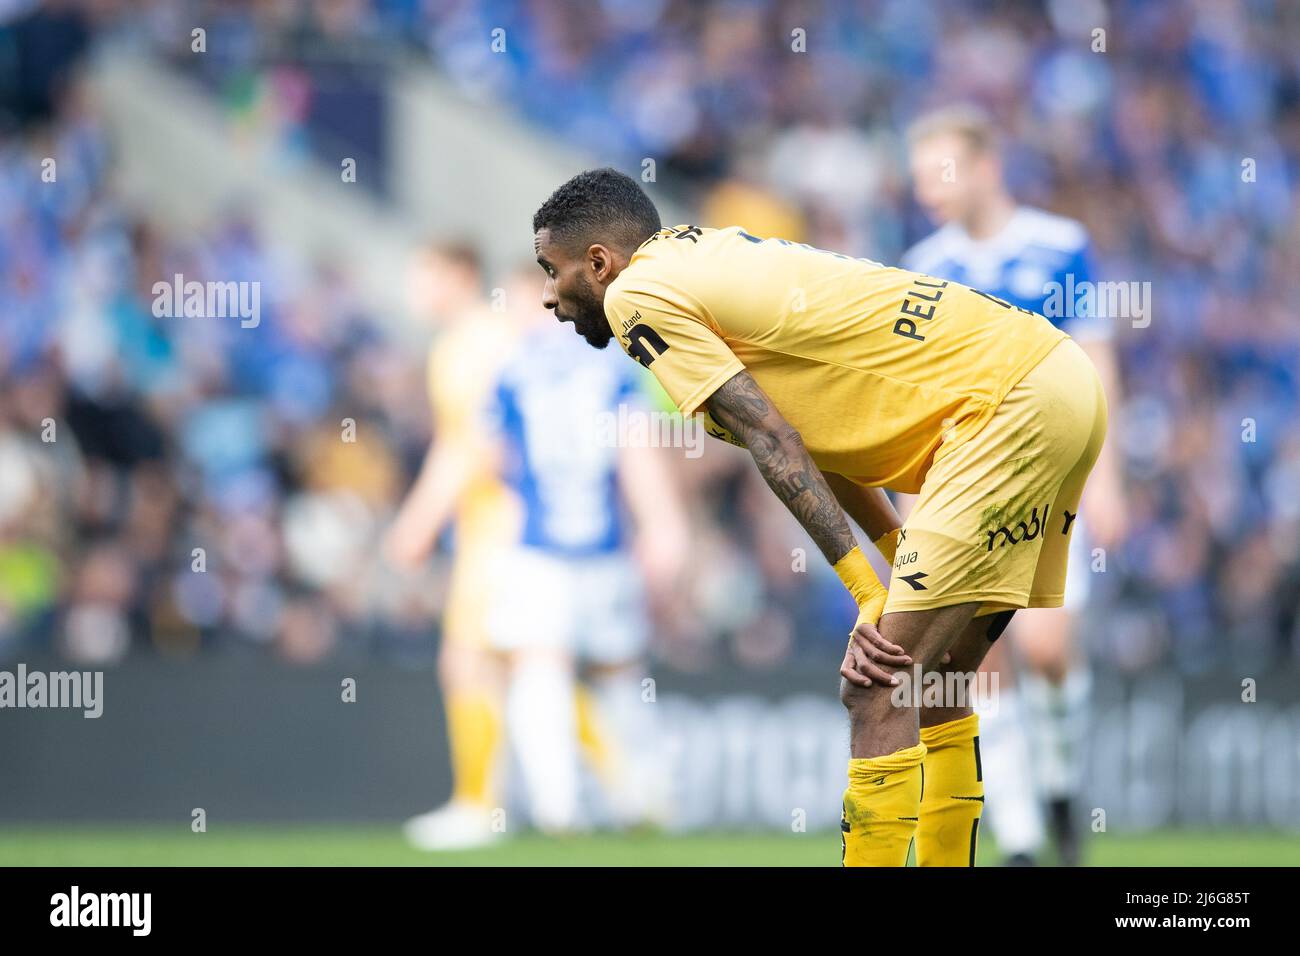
[{"x": 742, "y": 408}]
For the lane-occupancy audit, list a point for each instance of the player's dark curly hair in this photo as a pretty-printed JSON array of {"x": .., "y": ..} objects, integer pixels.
[{"x": 600, "y": 205}]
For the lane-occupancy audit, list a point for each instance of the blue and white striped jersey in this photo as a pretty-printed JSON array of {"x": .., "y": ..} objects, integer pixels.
[
  {"x": 554, "y": 410},
  {"x": 1039, "y": 261}
]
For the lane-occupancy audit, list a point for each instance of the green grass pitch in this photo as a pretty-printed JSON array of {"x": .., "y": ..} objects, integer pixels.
[{"x": 383, "y": 846}]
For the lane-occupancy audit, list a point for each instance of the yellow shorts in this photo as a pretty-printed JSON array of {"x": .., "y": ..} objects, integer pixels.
[
  {"x": 464, "y": 620},
  {"x": 993, "y": 518}
]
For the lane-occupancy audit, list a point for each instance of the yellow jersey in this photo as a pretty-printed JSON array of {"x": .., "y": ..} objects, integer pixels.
[
  {"x": 882, "y": 371},
  {"x": 463, "y": 368}
]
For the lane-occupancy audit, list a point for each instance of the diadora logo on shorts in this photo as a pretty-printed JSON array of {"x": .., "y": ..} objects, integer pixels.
[
  {"x": 1022, "y": 531},
  {"x": 904, "y": 558}
]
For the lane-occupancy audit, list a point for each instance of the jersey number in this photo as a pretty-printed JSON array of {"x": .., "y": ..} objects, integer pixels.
[{"x": 645, "y": 344}]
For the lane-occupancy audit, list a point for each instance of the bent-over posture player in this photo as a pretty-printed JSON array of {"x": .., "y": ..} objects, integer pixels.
[{"x": 843, "y": 376}]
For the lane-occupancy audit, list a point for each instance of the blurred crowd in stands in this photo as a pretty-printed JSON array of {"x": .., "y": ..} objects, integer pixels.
[{"x": 134, "y": 449}]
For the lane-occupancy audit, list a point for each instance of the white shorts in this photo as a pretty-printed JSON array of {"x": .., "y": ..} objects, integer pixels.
[
  {"x": 1078, "y": 573},
  {"x": 593, "y": 608}
]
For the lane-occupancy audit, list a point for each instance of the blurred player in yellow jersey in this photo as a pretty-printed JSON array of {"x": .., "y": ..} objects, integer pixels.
[
  {"x": 842, "y": 377},
  {"x": 456, "y": 486},
  {"x": 511, "y": 642},
  {"x": 604, "y": 528}
]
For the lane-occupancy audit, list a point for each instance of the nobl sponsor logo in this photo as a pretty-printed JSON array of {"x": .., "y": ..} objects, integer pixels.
[
  {"x": 208, "y": 300},
  {"x": 1021, "y": 531},
  {"x": 75, "y": 908},
  {"x": 76, "y": 690}
]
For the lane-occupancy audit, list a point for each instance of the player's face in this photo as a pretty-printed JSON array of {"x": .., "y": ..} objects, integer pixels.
[
  {"x": 436, "y": 286},
  {"x": 946, "y": 175},
  {"x": 571, "y": 291}
]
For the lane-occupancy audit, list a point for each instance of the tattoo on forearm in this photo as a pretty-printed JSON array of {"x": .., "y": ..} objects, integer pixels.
[{"x": 741, "y": 407}]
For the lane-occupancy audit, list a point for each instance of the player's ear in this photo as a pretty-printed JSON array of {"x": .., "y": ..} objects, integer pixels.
[{"x": 602, "y": 261}]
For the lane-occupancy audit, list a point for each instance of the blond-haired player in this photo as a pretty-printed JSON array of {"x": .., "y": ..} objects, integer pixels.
[{"x": 1042, "y": 262}]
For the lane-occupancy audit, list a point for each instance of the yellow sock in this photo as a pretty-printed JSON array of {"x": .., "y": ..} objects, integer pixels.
[
  {"x": 593, "y": 738},
  {"x": 954, "y": 794},
  {"x": 473, "y": 731},
  {"x": 881, "y": 807}
]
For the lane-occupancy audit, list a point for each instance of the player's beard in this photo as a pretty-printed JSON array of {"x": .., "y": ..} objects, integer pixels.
[{"x": 588, "y": 315}]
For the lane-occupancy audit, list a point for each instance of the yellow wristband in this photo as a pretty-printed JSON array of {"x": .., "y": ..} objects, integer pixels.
[
  {"x": 863, "y": 584},
  {"x": 858, "y": 576},
  {"x": 887, "y": 544}
]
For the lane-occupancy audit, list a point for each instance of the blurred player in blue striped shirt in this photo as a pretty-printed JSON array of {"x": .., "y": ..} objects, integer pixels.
[
  {"x": 1040, "y": 262},
  {"x": 603, "y": 520}
]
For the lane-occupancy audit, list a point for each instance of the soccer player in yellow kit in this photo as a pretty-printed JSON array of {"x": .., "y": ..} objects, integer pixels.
[
  {"x": 455, "y": 486},
  {"x": 842, "y": 377}
]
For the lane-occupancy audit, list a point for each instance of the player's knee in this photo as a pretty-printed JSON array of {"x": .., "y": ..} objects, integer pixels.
[
  {"x": 613, "y": 670},
  {"x": 551, "y": 658},
  {"x": 850, "y": 694},
  {"x": 1047, "y": 655},
  {"x": 859, "y": 700},
  {"x": 468, "y": 668},
  {"x": 1050, "y": 663},
  {"x": 453, "y": 669}
]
